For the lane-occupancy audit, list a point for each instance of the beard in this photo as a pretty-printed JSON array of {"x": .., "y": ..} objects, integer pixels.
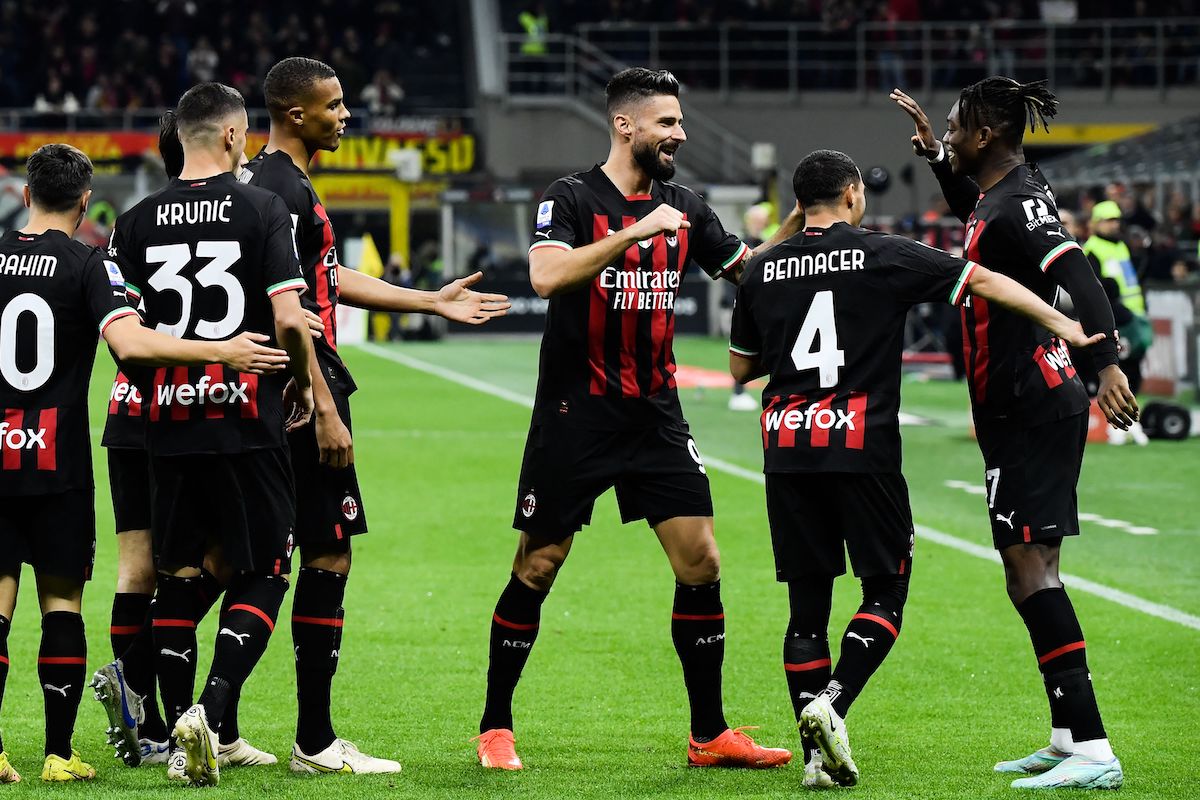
[{"x": 646, "y": 157}]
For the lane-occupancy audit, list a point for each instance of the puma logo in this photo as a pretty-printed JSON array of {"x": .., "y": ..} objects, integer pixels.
[
  {"x": 542, "y": 233},
  {"x": 806, "y": 696},
  {"x": 866, "y": 640},
  {"x": 62, "y": 691},
  {"x": 1007, "y": 520},
  {"x": 166, "y": 651},
  {"x": 1057, "y": 233},
  {"x": 238, "y": 636}
]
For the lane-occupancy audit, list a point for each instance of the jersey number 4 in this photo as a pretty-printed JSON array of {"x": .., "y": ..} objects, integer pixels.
[
  {"x": 823, "y": 356},
  {"x": 167, "y": 278}
]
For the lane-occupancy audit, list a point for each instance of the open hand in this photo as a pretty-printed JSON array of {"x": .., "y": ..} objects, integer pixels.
[
  {"x": 924, "y": 143},
  {"x": 458, "y": 302},
  {"x": 247, "y": 353}
]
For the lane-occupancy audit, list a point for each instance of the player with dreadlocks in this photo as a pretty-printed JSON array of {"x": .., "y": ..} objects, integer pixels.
[{"x": 1030, "y": 407}]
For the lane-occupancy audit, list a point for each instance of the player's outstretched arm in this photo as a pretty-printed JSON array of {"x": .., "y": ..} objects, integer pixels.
[
  {"x": 554, "y": 271},
  {"x": 292, "y": 331},
  {"x": 961, "y": 192},
  {"x": 133, "y": 343},
  {"x": 1004, "y": 291},
  {"x": 455, "y": 301}
]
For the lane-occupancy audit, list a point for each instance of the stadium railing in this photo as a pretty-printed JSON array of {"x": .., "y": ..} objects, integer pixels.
[
  {"x": 804, "y": 57},
  {"x": 574, "y": 72}
]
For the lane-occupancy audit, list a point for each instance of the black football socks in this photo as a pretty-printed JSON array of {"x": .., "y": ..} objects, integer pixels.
[
  {"x": 133, "y": 643},
  {"x": 317, "y": 618},
  {"x": 62, "y": 671},
  {"x": 698, "y": 631},
  {"x": 514, "y": 629},
  {"x": 806, "y": 662},
  {"x": 1062, "y": 658},
  {"x": 176, "y": 607},
  {"x": 868, "y": 638},
  {"x": 247, "y": 620}
]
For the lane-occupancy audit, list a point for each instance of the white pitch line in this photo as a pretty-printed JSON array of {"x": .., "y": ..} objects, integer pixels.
[{"x": 930, "y": 534}]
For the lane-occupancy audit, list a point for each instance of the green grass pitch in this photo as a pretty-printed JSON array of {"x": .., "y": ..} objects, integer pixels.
[{"x": 602, "y": 711}]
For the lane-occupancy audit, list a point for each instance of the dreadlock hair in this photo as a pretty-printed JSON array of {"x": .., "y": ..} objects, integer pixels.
[{"x": 1005, "y": 105}]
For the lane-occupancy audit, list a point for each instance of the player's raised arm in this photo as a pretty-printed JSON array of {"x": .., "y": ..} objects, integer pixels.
[
  {"x": 555, "y": 270},
  {"x": 455, "y": 301},
  {"x": 960, "y": 191}
]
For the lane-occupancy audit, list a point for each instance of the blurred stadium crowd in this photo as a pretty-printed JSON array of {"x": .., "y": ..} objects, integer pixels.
[{"x": 67, "y": 55}]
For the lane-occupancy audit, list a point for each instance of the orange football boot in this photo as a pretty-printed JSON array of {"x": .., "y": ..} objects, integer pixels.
[
  {"x": 735, "y": 749},
  {"x": 496, "y": 750}
]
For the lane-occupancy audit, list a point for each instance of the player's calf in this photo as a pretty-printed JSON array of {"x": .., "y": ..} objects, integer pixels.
[
  {"x": 868, "y": 638},
  {"x": 62, "y": 671}
]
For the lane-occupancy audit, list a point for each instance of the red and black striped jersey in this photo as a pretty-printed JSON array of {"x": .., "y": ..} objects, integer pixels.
[
  {"x": 317, "y": 248},
  {"x": 824, "y": 313},
  {"x": 203, "y": 259},
  {"x": 606, "y": 359},
  {"x": 1015, "y": 367},
  {"x": 125, "y": 422},
  {"x": 54, "y": 295}
]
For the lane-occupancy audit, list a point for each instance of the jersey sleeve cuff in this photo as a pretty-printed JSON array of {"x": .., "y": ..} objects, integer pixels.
[
  {"x": 940, "y": 157},
  {"x": 960, "y": 287},
  {"x": 290, "y": 285},
  {"x": 557, "y": 245},
  {"x": 1053, "y": 255},
  {"x": 733, "y": 261},
  {"x": 133, "y": 291},
  {"x": 114, "y": 315},
  {"x": 744, "y": 352}
]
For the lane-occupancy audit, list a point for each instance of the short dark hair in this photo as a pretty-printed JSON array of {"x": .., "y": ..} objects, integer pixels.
[
  {"x": 169, "y": 146},
  {"x": 58, "y": 175},
  {"x": 204, "y": 105},
  {"x": 822, "y": 177},
  {"x": 1005, "y": 105},
  {"x": 288, "y": 82},
  {"x": 636, "y": 84}
]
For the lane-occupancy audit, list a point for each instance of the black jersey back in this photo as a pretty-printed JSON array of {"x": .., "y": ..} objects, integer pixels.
[
  {"x": 606, "y": 359},
  {"x": 54, "y": 294},
  {"x": 317, "y": 247},
  {"x": 824, "y": 313},
  {"x": 204, "y": 257},
  {"x": 1015, "y": 368}
]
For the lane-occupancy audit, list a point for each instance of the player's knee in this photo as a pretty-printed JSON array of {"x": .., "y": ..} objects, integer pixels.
[
  {"x": 139, "y": 581},
  {"x": 1028, "y": 570},
  {"x": 539, "y": 571},
  {"x": 886, "y": 593},
  {"x": 330, "y": 560},
  {"x": 699, "y": 565}
]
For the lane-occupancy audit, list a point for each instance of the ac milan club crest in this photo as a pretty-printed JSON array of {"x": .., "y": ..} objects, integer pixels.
[
  {"x": 349, "y": 508},
  {"x": 529, "y": 505}
]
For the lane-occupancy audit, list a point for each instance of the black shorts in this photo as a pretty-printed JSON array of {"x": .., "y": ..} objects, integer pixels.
[
  {"x": 129, "y": 483},
  {"x": 1030, "y": 475},
  {"x": 813, "y": 513},
  {"x": 657, "y": 473},
  {"x": 243, "y": 502},
  {"x": 54, "y": 533},
  {"x": 329, "y": 506}
]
